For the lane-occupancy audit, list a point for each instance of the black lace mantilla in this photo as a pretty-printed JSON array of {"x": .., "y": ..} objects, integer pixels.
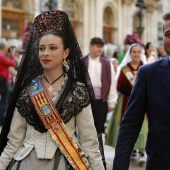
[{"x": 75, "y": 103}]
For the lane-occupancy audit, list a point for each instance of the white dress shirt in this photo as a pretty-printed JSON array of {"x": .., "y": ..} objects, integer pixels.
[{"x": 95, "y": 71}]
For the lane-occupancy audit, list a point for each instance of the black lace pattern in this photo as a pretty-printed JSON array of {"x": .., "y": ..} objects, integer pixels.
[
  {"x": 74, "y": 105},
  {"x": 77, "y": 101},
  {"x": 26, "y": 109}
]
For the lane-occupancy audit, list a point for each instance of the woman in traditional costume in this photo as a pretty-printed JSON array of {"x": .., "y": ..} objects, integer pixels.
[
  {"x": 126, "y": 76},
  {"x": 51, "y": 121}
]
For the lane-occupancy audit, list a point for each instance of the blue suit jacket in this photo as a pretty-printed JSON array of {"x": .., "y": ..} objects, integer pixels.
[{"x": 151, "y": 95}]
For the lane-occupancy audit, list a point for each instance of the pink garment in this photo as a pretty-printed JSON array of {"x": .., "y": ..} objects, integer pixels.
[
  {"x": 98, "y": 93},
  {"x": 9, "y": 78},
  {"x": 4, "y": 64},
  {"x": 151, "y": 59}
]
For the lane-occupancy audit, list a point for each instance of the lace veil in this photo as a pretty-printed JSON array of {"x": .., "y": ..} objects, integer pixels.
[{"x": 30, "y": 66}]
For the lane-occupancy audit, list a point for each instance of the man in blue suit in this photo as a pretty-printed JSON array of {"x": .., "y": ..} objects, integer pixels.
[{"x": 151, "y": 95}]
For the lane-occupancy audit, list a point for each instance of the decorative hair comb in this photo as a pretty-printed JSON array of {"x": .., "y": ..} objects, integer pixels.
[{"x": 51, "y": 21}]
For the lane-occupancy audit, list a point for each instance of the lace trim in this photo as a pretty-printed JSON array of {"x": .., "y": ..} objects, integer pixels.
[
  {"x": 26, "y": 109},
  {"x": 73, "y": 106},
  {"x": 77, "y": 101}
]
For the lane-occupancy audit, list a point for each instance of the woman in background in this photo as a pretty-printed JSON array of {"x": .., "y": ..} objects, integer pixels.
[{"x": 126, "y": 76}]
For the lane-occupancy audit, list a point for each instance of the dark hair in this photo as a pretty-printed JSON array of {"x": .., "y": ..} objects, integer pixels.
[
  {"x": 63, "y": 36},
  {"x": 137, "y": 45},
  {"x": 12, "y": 47},
  {"x": 147, "y": 45},
  {"x": 96, "y": 40},
  {"x": 166, "y": 17}
]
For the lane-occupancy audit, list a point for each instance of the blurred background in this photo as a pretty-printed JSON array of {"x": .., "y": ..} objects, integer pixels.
[
  {"x": 112, "y": 20},
  {"x": 119, "y": 22}
]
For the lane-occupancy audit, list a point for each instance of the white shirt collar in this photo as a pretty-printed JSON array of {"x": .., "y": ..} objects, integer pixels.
[{"x": 97, "y": 59}]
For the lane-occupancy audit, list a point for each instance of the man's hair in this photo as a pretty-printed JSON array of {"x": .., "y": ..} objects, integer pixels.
[
  {"x": 166, "y": 17},
  {"x": 97, "y": 40},
  {"x": 2, "y": 46}
]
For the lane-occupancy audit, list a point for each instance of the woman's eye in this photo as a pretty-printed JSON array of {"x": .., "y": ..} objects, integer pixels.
[
  {"x": 40, "y": 48},
  {"x": 53, "y": 48}
]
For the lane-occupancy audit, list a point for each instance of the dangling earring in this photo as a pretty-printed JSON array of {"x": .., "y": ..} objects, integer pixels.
[{"x": 65, "y": 64}]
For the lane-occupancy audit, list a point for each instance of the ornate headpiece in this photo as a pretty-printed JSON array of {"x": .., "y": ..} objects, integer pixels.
[{"x": 51, "y": 21}]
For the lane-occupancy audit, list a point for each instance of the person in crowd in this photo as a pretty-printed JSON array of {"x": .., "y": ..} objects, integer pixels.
[
  {"x": 18, "y": 56},
  {"x": 162, "y": 53},
  {"x": 11, "y": 73},
  {"x": 150, "y": 95},
  {"x": 114, "y": 62},
  {"x": 102, "y": 76},
  {"x": 115, "y": 54},
  {"x": 122, "y": 55},
  {"x": 150, "y": 53},
  {"x": 128, "y": 70},
  {"x": 5, "y": 63},
  {"x": 54, "y": 120}
]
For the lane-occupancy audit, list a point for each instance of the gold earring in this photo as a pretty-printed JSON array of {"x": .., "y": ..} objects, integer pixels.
[{"x": 65, "y": 64}]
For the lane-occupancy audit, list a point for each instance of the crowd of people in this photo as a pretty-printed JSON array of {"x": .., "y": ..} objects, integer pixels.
[
  {"x": 10, "y": 57},
  {"x": 53, "y": 114}
]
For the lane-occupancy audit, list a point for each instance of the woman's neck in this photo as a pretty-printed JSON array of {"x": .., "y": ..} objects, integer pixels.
[
  {"x": 135, "y": 64},
  {"x": 52, "y": 74}
]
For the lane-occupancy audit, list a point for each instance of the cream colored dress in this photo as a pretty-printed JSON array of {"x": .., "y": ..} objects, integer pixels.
[{"x": 38, "y": 151}]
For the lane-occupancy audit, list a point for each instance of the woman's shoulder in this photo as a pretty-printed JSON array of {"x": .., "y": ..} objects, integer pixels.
[{"x": 81, "y": 90}]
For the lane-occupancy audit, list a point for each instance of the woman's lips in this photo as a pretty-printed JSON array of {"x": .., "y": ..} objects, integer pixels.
[{"x": 46, "y": 61}]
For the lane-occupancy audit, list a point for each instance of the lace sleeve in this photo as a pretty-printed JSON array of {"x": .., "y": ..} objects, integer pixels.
[
  {"x": 27, "y": 110},
  {"x": 78, "y": 99}
]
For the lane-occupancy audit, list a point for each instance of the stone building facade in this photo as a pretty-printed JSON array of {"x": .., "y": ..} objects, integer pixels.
[{"x": 110, "y": 19}]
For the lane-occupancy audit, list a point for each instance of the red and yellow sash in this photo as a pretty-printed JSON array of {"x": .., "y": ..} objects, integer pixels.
[{"x": 52, "y": 121}]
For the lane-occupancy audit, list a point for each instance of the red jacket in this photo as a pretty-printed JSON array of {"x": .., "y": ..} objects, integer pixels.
[{"x": 4, "y": 64}]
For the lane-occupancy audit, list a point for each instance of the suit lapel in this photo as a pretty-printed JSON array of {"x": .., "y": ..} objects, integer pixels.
[{"x": 164, "y": 73}]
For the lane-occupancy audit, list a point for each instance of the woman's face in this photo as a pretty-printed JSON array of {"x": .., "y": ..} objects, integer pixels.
[
  {"x": 151, "y": 47},
  {"x": 135, "y": 54},
  {"x": 51, "y": 52}
]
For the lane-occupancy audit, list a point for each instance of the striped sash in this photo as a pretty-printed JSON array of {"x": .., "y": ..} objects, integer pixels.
[
  {"x": 129, "y": 75},
  {"x": 52, "y": 121}
]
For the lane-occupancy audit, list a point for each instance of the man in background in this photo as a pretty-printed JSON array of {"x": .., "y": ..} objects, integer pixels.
[{"x": 103, "y": 80}]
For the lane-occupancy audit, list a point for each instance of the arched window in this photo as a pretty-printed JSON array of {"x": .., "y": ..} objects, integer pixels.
[
  {"x": 12, "y": 18},
  {"x": 108, "y": 25}
]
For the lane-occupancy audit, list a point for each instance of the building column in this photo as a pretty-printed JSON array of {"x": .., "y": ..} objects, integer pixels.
[
  {"x": 37, "y": 8},
  {"x": 92, "y": 18},
  {"x": 99, "y": 18},
  {"x": 120, "y": 38},
  {"x": 59, "y": 4},
  {"x": 86, "y": 24}
]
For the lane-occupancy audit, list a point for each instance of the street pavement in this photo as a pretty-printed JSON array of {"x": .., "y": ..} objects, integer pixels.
[{"x": 109, "y": 156}]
